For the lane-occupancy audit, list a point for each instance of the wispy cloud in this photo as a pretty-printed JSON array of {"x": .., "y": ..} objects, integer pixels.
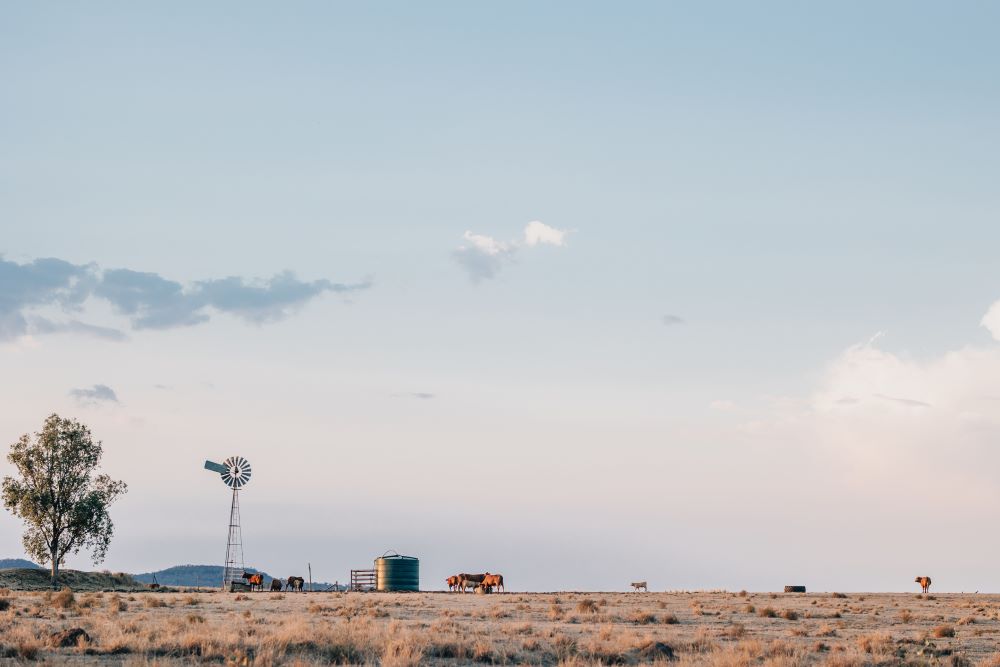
[
  {"x": 672, "y": 320},
  {"x": 483, "y": 257},
  {"x": 149, "y": 300},
  {"x": 98, "y": 393},
  {"x": 909, "y": 402}
]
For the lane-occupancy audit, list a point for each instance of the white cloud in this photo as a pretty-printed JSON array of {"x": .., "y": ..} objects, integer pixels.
[
  {"x": 487, "y": 244},
  {"x": 483, "y": 256},
  {"x": 991, "y": 320},
  {"x": 536, "y": 233}
]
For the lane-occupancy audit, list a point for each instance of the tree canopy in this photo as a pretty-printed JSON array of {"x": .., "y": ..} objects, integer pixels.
[{"x": 59, "y": 494}]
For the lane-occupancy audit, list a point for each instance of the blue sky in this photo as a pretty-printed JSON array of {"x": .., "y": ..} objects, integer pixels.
[{"x": 786, "y": 180}]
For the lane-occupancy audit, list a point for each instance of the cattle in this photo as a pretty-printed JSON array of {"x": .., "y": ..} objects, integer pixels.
[
  {"x": 275, "y": 585},
  {"x": 925, "y": 583},
  {"x": 295, "y": 583},
  {"x": 452, "y": 582},
  {"x": 255, "y": 580},
  {"x": 639, "y": 585},
  {"x": 466, "y": 581},
  {"x": 491, "y": 581}
]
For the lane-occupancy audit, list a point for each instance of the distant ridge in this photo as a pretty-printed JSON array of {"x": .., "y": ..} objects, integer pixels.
[
  {"x": 209, "y": 576},
  {"x": 19, "y": 563}
]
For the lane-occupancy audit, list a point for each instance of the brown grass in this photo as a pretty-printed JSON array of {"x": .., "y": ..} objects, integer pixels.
[
  {"x": 943, "y": 631},
  {"x": 64, "y": 599},
  {"x": 444, "y": 630}
]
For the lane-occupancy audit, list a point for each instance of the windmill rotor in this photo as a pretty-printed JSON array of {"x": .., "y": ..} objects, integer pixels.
[{"x": 234, "y": 471}]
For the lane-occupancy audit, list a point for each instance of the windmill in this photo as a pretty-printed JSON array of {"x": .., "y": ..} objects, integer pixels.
[{"x": 235, "y": 473}]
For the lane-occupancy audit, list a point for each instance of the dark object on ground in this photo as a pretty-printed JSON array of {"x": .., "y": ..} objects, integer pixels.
[
  {"x": 657, "y": 650},
  {"x": 71, "y": 637},
  {"x": 275, "y": 585},
  {"x": 795, "y": 589}
]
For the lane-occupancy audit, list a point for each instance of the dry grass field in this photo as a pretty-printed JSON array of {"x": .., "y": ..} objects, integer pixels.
[{"x": 697, "y": 628}]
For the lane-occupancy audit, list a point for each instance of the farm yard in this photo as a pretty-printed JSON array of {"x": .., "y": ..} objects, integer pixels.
[{"x": 686, "y": 628}]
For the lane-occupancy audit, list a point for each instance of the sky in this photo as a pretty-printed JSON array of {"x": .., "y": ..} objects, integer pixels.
[{"x": 583, "y": 293}]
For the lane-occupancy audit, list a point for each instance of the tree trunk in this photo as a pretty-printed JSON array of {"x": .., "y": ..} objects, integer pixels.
[{"x": 55, "y": 571}]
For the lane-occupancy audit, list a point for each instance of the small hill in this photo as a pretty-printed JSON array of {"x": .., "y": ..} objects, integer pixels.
[
  {"x": 20, "y": 563},
  {"x": 37, "y": 579}
]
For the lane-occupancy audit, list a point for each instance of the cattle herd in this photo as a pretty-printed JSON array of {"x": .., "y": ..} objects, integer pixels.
[
  {"x": 483, "y": 583},
  {"x": 256, "y": 582}
]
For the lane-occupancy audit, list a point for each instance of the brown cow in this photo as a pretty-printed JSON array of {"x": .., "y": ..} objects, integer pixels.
[
  {"x": 493, "y": 581},
  {"x": 466, "y": 581},
  {"x": 275, "y": 585},
  {"x": 295, "y": 583},
  {"x": 255, "y": 580},
  {"x": 452, "y": 582},
  {"x": 925, "y": 583}
]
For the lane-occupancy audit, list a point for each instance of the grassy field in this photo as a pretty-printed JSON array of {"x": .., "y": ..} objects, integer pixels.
[
  {"x": 40, "y": 580},
  {"x": 714, "y": 628}
]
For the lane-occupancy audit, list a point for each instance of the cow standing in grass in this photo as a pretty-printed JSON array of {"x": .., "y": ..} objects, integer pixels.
[
  {"x": 640, "y": 586},
  {"x": 467, "y": 581},
  {"x": 925, "y": 583},
  {"x": 491, "y": 581},
  {"x": 295, "y": 583},
  {"x": 276, "y": 585},
  {"x": 452, "y": 582},
  {"x": 256, "y": 580}
]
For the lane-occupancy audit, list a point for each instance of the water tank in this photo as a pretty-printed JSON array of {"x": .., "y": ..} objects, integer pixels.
[{"x": 397, "y": 573}]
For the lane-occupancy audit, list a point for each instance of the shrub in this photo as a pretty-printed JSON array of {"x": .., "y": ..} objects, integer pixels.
[
  {"x": 877, "y": 643},
  {"x": 767, "y": 612},
  {"x": 943, "y": 631},
  {"x": 64, "y": 599},
  {"x": 749, "y": 609},
  {"x": 905, "y": 616},
  {"x": 790, "y": 615},
  {"x": 586, "y": 606},
  {"x": 839, "y": 595},
  {"x": 642, "y": 617},
  {"x": 735, "y": 631},
  {"x": 669, "y": 619},
  {"x": 4, "y": 604},
  {"x": 152, "y": 602},
  {"x": 968, "y": 620}
]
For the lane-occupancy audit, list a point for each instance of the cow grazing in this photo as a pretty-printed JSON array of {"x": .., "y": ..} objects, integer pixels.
[
  {"x": 452, "y": 582},
  {"x": 255, "y": 580},
  {"x": 925, "y": 583},
  {"x": 467, "y": 581},
  {"x": 275, "y": 585},
  {"x": 295, "y": 583},
  {"x": 640, "y": 586},
  {"x": 491, "y": 581}
]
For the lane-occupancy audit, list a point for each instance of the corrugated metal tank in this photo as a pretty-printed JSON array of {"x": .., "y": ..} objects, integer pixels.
[{"x": 397, "y": 573}]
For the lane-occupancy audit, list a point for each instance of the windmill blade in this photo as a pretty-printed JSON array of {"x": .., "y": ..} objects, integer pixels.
[{"x": 215, "y": 467}]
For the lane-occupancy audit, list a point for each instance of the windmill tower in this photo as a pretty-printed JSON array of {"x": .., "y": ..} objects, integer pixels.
[{"x": 235, "y": 473}]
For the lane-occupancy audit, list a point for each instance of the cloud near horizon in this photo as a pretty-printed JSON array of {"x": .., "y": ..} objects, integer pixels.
[
  {"x": 883, "y": 420},
  {"x": 483, "y": 257},
  {"x": 98, "y": 393},
  {"x": 149, "y": 300}
]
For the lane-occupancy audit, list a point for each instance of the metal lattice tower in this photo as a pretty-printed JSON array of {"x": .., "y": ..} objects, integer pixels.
[{"x": 235, "y": 473}]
